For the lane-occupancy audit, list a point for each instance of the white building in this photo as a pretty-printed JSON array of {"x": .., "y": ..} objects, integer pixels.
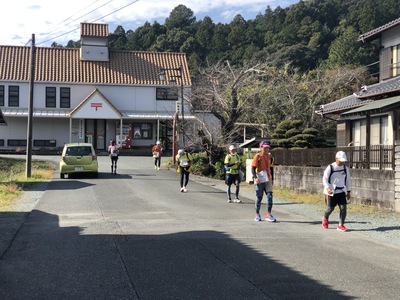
[{"x": 84, "y": 95}]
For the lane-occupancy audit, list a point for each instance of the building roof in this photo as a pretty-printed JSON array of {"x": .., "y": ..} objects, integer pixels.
[
  {"x": 365, "y": 96},
  {"x": 65, "y": 66},
  {"x": 384, "y": 87},
  {"x": 374, "y": 32},
  {"x": 374, "y": 107},
  {"x": 340, "y": 105}
]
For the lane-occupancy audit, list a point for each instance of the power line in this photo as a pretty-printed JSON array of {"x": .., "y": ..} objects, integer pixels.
[
  {"x": 116, "y": 10},
  {"x": 65, "y": 20},
  {"x": 75, "y": 28},
  {"x": 99, "y": 18}
]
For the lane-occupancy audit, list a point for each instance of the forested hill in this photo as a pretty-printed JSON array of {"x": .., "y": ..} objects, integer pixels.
[
  {"x": 306, "y": 34},
  {"x": 285, "y": 61}
]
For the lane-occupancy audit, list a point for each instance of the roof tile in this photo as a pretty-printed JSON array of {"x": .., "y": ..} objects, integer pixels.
[{"x": 64, "y": 65}]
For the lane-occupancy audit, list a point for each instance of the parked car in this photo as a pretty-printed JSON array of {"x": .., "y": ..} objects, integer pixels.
[{"x": 78, "y": 158}]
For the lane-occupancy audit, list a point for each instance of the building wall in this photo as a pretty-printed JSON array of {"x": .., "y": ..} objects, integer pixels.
[
  {"x": 137, "y": 99},
  {"x": 391, "y": 37},
  {"x": 130, "y": 98},
  {"x": 41, "y": 130}
]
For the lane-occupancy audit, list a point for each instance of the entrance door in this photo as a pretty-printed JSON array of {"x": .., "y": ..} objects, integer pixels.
[{"x": 95, "y": 133}]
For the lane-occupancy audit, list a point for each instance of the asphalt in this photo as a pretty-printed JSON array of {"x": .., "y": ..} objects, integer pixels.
[{"x": 135, "y": 236}]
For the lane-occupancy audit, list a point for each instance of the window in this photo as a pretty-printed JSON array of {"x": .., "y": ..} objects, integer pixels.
[
  {"x": 142, "y": 131},
  {"x": 51, "y": 96},
  {"x": 16, "y": 143},
  {"x": 384, "y": 130},
  {"x": 359, "y": 132},
  {"x": 65, "y": 97},
  {"x": 44, "y": 143},
  {"x": 379, "y": 131},
  {"x": 170, "y": 93},
  {"x": 1, "y": 95},
  {"x": 1, "y": 143},
  {"x": 13, "y": 96}
]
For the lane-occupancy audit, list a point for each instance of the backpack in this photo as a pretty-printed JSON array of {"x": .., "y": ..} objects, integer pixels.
[
  {"x": 344, "y": 169},
  {"x": 114, "y": 151}
]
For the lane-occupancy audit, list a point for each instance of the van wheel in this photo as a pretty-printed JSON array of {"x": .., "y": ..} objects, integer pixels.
[{"x": 62, "y": 175}]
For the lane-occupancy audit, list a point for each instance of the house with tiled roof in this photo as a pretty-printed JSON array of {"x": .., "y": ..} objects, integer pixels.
[
  {"x": 92, "y": 94},
  {"x": 371, "y": 116}
]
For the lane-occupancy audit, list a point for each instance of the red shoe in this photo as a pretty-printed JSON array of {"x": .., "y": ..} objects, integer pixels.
[
  {"x": 341, "y": 228},
  {"x": 325, "y": 223}
]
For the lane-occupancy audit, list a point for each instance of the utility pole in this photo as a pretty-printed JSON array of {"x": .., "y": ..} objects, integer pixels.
[
  {"x": 30, "y": 111},
  {"x": 172, "y": 80}
]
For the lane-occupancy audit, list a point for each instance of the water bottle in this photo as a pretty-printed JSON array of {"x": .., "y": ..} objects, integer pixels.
[{"x": 226, "y": 168}]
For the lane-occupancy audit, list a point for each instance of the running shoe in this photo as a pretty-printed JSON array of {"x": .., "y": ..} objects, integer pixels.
[
  {"x": 185, "y": 189},
  {"x": 237, "y": 200},
  {"x": 325, "y": 223},
  {"x": 257, "y": 218},
  {"x": 341, "y": 228},
  {"x": 270, "y": 218},
  {"x": 182, "y": 190},
  {"x": 229, "y": 200}
]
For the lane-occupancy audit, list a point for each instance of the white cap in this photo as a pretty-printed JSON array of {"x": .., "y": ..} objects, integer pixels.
[
  {"x": 181, "y": 151},
  {"x": 341, "y": 156},
  {"x": 158, "y": 143},
  {"x": 232, "y": 147}
]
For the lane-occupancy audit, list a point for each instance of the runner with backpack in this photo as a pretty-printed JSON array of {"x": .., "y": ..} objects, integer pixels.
[
  {"x": 113, "y": 152},
  {"x": 185, "y": 161},
  {"x": 232, "y": 163},
  {"x": 157, "y": 152},
  {"x": 337, "y": 186}
]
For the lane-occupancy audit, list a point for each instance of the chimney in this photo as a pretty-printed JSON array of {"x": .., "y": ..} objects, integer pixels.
[{"x": 94, "y": 42}]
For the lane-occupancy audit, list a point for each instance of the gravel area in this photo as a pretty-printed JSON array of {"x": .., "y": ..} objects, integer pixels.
[{"x": 380, "y": 225}]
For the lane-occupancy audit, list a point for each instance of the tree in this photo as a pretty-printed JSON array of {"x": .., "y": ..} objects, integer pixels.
[
  {"x": 180, "y": 17},
  {"x": 292, "y": 134},
  {"x": 117, "y": 40},
  {"x": 226, "y": 93}
]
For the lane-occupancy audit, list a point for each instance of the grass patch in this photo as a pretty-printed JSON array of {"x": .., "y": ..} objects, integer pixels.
[
  {"x": 318, "y": 199},
  {"x": 13, "y": 181}
]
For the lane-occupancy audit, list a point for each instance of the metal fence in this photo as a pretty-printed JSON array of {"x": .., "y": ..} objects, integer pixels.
[{"x": 379, "y": 157}]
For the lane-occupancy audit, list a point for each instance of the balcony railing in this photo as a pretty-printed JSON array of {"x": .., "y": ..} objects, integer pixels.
[{"x": 379, "y": 157}]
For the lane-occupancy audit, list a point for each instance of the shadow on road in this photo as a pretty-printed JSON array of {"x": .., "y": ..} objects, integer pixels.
[{"x": 47, "y": 261}]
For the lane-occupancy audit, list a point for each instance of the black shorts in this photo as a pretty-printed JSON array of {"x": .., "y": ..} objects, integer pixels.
[
  {"x": 232, "y": 178},
  {"x": 337, "y": 199}
]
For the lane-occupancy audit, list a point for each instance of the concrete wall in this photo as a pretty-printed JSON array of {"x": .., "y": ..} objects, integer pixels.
[{"x": 370, "y": 187}]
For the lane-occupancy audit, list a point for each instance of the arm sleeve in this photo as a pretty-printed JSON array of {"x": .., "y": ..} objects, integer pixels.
[
  {"x": 254, "y": 166},
  {"x": 253, "y": 172}
]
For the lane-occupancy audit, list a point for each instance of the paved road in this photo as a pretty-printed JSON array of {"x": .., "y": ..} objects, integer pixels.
[{"x": 135, "y": 236}]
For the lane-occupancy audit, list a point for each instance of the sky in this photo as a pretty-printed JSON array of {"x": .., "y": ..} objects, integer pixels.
[{"x": 59, "y": 21}]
